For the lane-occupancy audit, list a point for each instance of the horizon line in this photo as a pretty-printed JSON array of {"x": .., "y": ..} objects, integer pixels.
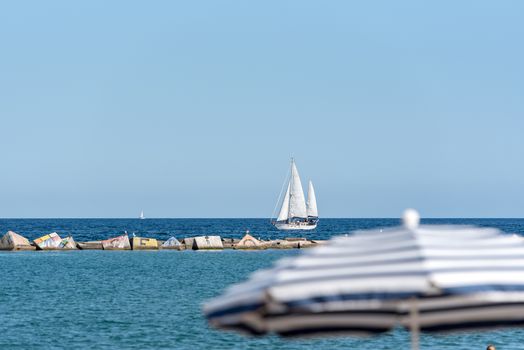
[{"x": 243, "y": 218}]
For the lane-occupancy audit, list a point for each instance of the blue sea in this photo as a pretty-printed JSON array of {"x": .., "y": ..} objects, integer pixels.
[{"x": 152, "y": 299}]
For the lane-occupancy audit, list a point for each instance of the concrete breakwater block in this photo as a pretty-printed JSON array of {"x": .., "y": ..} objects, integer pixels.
[
  {"x": 117, "y": 243},
  {"x": 67, "y": 243},
  {"x": 295, "y": 239},
  {"x": 13, "y": 241},
  {"x": 140, "y": 243},
  {"x": 50, "y": 241},
  {"x": 229, "y": 243},
  {"x": 171, "y": 243},
  {"x": 250, "y": 242},
  {"x": 207, "y": 242},
  {"x": 90, "y": 245},
  {"x": 188, "y": 242},
  {"x": 294, "y": 244},
  {"x": 318, "y": 241},
  {"x": 53, "y": 241}
]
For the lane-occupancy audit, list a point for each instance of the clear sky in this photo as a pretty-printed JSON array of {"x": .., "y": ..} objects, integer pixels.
[{"x": 193, "y": 108}]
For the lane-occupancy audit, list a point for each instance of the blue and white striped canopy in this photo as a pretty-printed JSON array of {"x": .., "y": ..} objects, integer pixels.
[{"x": 457, "y": 277}]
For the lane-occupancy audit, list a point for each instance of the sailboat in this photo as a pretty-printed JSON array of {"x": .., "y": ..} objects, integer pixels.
[
  {"x": 295, "y": 213},
  {"x": 142, "y": 217}
]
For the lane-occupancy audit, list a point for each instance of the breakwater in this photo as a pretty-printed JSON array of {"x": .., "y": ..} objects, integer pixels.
[{"x": 14, "y": 241}]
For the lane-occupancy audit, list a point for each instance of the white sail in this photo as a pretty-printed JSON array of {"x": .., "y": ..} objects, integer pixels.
[
  {"x": 297, "y": 202},
  {"x": 284, "y": 210},
  {"x": 142, "y": 215},
  {"x": 311, "y": 201}
]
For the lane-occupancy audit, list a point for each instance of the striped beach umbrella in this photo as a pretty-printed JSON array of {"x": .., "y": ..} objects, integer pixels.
[{"x": 423, "y": 277}]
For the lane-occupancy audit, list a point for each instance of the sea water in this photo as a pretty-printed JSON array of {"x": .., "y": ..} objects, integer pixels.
[{"x": 153, "y": 299}]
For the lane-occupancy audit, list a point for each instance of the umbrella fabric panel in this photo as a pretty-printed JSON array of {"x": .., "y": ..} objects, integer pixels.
[
  {"x": 332, "y": 323},
  {"x": 471, "y": 311},
  {"x": 437, "y": 314},
  {"x": 494, "y": 267},
  {"x": 295, "y": 270},
  {"x": 370, "y": 275}
]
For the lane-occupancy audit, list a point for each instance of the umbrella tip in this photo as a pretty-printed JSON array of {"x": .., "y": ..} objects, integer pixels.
[{"x": 410, "y": 218}]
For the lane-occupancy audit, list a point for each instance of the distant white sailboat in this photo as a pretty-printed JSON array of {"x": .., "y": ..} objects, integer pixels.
[
  {"x": 142, "y": 217},
  {"x": 295, "y": 213}
]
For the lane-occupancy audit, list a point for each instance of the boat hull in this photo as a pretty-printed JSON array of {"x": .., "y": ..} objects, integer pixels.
[{"x": 292, "y": 226}]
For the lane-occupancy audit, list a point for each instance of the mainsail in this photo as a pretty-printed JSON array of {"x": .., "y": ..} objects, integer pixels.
[
  {"x": 297, "y": 202},
  {"x": 294, "y": 203},
  {"x": 312, "y": 210}
]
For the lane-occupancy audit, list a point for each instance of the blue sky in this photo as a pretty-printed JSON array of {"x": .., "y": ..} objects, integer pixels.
[{"x": 192, "y": 109}]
